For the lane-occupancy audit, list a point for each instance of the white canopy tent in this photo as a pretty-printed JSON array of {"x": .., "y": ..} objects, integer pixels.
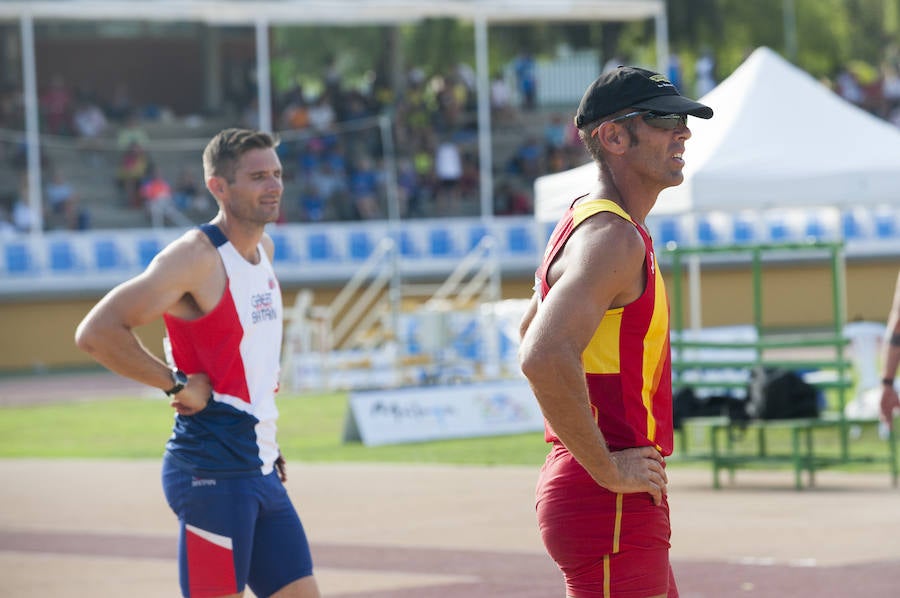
[
  {"x": 779, "y": 138},
  {"x": 265, "y": 13}
]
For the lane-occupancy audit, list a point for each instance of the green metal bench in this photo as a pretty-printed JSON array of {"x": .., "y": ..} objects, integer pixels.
[{"x": 801, "y": 454}]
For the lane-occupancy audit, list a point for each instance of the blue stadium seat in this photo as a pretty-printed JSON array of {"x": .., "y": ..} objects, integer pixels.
[
  {"x": 107, "y": 255},
  {"x": 706, "y": 234},
  {"x": 147, "y": 250},
  {"x": 743, "y": 231},
  {"x": 440, "y": 243},
  {"x": 63, "y": 257},
  {"x": 360, "y": 245},
  {"x": 815, "y": 228},
  {"x": 282, "y": 251},
  {"x": 778, "y": 230},
  {"x": 18, "y": 258},
  {"x": 851, "y": 226},
  {"x": 669, "y": 232},
  {"x": 476, "y": 234},
  {"x": 319, "y": 247},
  {"x": 407, "y": 244},
  {"x": 885, "y": 226},
  {"x": 519, "y": 240}
]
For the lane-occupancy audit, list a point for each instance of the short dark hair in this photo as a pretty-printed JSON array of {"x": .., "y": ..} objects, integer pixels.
[
  {"x": 226, "y": 148},
  {"x": 593, "y": 146}
]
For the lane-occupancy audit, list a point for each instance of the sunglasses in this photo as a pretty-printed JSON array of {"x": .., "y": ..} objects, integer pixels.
[{"x": 668, "y": 122}]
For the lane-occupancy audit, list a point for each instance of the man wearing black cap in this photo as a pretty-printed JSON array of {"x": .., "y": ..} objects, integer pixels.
[{"x": 595, "y": 348}]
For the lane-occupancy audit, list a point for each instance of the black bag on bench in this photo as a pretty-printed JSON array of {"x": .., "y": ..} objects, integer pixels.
[
  {"x": 686, "y": 404},
  {"x": 780, "y": 394}
]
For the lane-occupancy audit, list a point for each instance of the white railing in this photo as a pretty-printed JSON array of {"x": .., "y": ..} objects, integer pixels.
[
  {"x": 60, "y": 262},
  {"x": 307, "y": 254}
]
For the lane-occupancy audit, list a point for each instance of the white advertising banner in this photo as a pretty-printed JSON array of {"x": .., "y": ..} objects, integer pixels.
[{"x": 438, "y": 412}]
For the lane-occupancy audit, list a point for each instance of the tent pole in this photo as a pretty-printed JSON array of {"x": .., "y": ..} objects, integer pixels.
[
  {"x": 486, "y": 177},
  {"x": 263, "y": 83},
  {"x": 484, "y": 119},
  {"x": 662, "y": 40},
  {"x": 32, "y": 136},
  {"x": 789, "y": 17},
  {"x": 385, "y": 125}
]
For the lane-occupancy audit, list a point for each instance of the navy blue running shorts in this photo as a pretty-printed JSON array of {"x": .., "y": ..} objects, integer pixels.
[{"x": 235, "y": 532}]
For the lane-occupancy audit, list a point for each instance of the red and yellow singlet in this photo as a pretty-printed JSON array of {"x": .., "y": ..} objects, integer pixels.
[
  {"x": 627, "y": 363},
  {"x": 611, "y": 545}
]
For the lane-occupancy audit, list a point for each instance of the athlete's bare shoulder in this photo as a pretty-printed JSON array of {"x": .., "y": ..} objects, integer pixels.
[
  {"x": 189, "y": 268},
  {"x": 192, "y": 251},
  {"x": 609, "y": 237},
  {"x": 607, "y": 256},
  {"x": 187, "y": 262}
]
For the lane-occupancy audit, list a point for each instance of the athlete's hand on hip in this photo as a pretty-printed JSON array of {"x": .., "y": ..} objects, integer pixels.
[
  {"x": 194, "y": 397},
  {"x": 640, "y": 469},
  {"x": 890, "y": 402},
  {"x": 281, "y": 467}
]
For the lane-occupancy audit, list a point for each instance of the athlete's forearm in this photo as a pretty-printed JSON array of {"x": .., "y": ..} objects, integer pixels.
[
  {"x": 577, "y": 429},
  {"x": 890, "y": 357},
  {"x": 556, "y": 376},
  {"x": 118, "y": 349},
  {"x": 562, "y": 396},
  {"x": 890, "y": 353}
]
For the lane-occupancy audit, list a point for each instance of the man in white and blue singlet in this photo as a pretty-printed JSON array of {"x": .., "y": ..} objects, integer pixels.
[{"x": 216, "y": 290}]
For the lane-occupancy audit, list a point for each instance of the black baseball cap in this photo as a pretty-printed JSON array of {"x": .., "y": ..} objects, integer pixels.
[{"x": 633, "y": 87}]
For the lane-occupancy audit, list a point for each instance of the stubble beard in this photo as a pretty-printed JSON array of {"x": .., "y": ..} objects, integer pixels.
[{"x": 255, "y": 215}]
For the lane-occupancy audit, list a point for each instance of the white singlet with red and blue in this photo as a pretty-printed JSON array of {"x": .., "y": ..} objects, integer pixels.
[{"x": 238, "y": 345}]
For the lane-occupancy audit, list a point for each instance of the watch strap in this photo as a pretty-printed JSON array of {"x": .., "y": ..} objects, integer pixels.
[{"x": 179, "y": 380}]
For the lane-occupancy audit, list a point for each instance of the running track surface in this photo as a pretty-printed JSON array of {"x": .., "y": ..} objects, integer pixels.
[{"x": 81, "y": 528}]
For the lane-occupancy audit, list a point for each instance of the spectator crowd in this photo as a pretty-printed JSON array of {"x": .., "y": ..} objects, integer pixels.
[{"x": 332, "y": 144}]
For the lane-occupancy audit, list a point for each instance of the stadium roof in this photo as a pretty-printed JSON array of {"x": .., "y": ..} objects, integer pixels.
[{"x": 333, "y": 11}]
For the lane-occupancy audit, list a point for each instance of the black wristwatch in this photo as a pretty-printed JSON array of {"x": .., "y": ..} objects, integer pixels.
[{"x": 179, "y": 379}]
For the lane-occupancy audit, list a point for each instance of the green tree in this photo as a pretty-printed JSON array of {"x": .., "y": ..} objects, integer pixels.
[
  {"x": 829, "y": 33},
  {"x": 302, "y": 54}
]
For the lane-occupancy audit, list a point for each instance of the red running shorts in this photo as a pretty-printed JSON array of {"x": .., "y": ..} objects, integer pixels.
[{"x": 607, "y": 545}]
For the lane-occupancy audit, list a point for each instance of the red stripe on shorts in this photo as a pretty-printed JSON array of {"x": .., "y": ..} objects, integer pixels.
[{"x": 210, "y": 563}]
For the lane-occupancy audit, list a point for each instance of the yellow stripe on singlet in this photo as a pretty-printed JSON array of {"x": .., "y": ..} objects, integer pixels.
[
  {"x": 601, "y": 356},
  {"x": 659, "y": 324},
  {"x": 592, "y": 206}
]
